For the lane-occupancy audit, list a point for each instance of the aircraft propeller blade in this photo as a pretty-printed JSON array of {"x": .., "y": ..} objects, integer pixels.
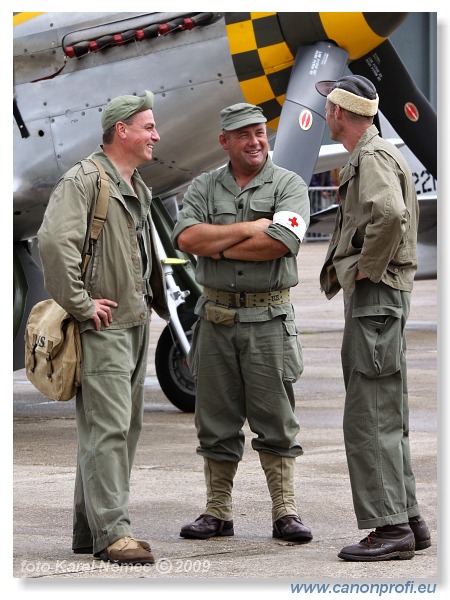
[
  {"x": 302, "y": 121},
  {"x": 401, "y": 102}
]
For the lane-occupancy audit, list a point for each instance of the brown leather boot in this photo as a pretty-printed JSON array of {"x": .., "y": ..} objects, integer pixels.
[
  {"x": 90, "y": 549},
  {"x": 280, "y": 476},
  {"x": 127, "y": 551},
  {"x": 216, "y": 520},
  {"x": 207, "y": 526},
  {"x": 385, "y": 543},
  {"x": 291, "y": 529},
  {"x": 421, "y": 532}
]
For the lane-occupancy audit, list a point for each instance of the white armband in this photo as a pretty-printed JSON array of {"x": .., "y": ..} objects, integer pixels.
[{"x": 292, "y": 221}]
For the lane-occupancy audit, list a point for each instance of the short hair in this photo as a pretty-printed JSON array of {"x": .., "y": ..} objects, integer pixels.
[{"x": 108, "y": 135}]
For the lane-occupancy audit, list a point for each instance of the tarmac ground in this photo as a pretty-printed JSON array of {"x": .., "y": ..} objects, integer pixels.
[{"x": 167, "y": 486}]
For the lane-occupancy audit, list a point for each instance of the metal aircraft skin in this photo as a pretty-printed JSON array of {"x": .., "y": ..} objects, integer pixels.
[{"x": 67, "y": 66}]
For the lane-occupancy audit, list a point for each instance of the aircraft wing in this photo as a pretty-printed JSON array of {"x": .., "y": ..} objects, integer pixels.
[{"x": 334, "y": 156}]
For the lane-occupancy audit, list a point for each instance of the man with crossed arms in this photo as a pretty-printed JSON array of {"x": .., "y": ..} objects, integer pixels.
[{"x": 245, "y": 223}]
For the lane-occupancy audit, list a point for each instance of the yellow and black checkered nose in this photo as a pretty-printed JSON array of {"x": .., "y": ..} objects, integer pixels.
[
  {"x": 263, "y": 47},
  {"x": 262, "y": 60}
]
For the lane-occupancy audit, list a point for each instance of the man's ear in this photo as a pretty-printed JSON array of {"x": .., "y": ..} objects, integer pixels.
[
  {"x": 223, "y": 141},
  {"x": 337, "y": 111},
  {"x": 120, "y": 128}
]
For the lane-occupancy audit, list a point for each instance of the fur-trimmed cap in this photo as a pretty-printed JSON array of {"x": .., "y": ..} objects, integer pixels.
[{"x": 353, "y": 92}]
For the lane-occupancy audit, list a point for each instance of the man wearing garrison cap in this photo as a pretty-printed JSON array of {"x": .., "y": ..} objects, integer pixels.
[
  {"x": 372, "y": 256},
  {"x": 112, "y": 304},
  {"x": 245, "y": 222}
]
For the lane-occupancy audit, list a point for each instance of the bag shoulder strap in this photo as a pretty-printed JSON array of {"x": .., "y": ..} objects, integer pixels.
[
  {"x": 101, "y": 206},
  {"x": 98, "y": 215}
]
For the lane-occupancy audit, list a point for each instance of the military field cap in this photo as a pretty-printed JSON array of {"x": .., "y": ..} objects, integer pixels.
[
  {"x": 122, "y": 107},
  {"x": 241, "y": 115},
  {"x": 353, "y": 92}
]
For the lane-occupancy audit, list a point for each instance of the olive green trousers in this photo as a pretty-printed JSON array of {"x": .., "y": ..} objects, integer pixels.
[
  {"x": 376, "y": 413},
  {"x": 246, "y": 372},
  {"x": 109, "y": 413}
]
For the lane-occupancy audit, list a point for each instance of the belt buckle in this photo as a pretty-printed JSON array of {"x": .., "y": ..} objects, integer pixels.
[{"x": 242, "y": 299}]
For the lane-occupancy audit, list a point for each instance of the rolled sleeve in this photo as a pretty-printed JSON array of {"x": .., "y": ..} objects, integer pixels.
[
  {"x": 293, "y": 209},
  {"x": 182, "y": 224},
  {"x": 283, "y": 235}
]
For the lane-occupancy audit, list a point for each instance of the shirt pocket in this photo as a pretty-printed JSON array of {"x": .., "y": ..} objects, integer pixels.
[
  {"x": 222, "y": 213},
  {"x": 262, "y": 208}
]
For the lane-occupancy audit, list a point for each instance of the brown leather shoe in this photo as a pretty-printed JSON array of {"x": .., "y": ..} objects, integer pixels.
[
  {"x": 127, "y": 551},
  {"x": 385, "y": 543},
  {"x": 90, "y": 549},
  {"x": 290, "y": 528},
  {"x": 421, "y": 533},
  {"x": 207, "y": 526}
]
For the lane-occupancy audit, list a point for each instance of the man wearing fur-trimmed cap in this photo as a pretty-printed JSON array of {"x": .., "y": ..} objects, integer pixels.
[
  {"x": 353, "y": 92},
  {"x": 245, "y": 222},
  {"x": 372, "y": 257}
]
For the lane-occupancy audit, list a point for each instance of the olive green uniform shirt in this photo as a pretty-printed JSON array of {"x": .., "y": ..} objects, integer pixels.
[
  {"x": 376, "y": 223},
  {"x": 124, "y": 266},
  {"x": 274, "y": 193}
]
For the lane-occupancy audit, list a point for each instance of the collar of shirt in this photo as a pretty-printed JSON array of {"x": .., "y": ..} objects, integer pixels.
[{"x": 264, "y": 176}]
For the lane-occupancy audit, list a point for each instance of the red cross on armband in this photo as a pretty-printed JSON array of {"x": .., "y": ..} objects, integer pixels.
[{"x": 292, "y": 221}]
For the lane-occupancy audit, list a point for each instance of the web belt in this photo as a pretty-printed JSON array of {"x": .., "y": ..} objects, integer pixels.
[{"x": 246, "y": 299}]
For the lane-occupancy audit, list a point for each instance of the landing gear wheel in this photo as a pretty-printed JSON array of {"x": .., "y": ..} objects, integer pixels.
[{"x": 172, "y": 370}]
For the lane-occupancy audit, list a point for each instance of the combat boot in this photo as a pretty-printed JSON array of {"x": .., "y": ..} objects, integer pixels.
[
  {"x": 280, "y": 473},
  {"x": 385, "y": 543},
  {"x": 421, "y": 532},
  {"x": 216, "y": 520}
]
